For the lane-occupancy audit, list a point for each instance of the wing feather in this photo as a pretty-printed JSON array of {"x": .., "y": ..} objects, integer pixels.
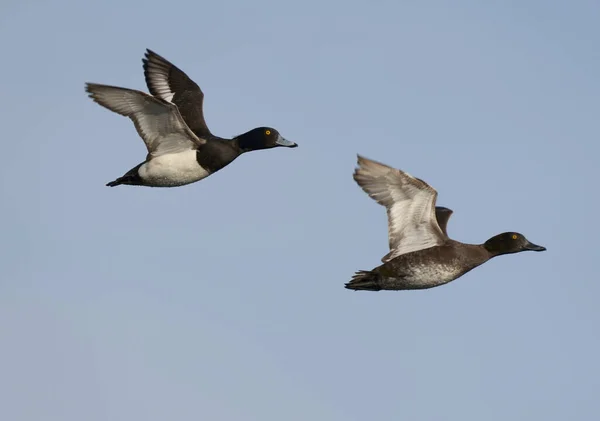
[
  {"x": 158, "y": 122},
  {"x": 410, "y": 205},
  {"x": 168, "y": 82}
]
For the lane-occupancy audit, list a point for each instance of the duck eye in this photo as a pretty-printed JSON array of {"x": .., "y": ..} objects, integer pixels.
[
  {"x": 267, "y": 132},
  {"x": 514, "y": 237}
]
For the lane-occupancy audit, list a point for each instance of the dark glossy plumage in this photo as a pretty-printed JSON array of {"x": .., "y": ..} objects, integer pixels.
[
  {"x": 416, "y": 225},
  {"x": 168, "y": 82},
  {"x": 181, "y": 148}
]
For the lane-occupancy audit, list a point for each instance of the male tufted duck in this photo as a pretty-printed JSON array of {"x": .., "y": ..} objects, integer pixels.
[{"x": 181, "y": 149}]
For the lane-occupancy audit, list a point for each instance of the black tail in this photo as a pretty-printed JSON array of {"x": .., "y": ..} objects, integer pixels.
[
  {"x": 122, "y": 180},
  {"x": 131, "y": 177},
  {"x": 364, "y": 280},
  {"x": 116, "y": 182}
]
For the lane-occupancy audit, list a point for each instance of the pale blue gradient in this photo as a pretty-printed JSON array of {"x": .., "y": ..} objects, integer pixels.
[{"x": 225, "y": 299}]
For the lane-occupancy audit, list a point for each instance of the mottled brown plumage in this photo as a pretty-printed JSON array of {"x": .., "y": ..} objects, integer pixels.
[{"x": 433, "y": 260}]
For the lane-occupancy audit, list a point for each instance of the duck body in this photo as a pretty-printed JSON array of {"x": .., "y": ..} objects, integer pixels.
[
  {"x": 172, "y": 170},
  {"x": 423, "y": 269},
  {"x": 179, "y": 169}
]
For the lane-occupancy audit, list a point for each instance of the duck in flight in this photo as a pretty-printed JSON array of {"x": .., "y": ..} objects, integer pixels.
[
  {"x": 181, "y": 148},
  {"x": 421, "y": 253}
]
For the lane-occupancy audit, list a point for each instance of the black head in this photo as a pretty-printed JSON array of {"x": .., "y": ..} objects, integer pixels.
[
  {"x": 510, "y": 242},
  {"x": 263, "y": 138}
]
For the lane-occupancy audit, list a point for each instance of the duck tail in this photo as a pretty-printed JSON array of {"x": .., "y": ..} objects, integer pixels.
[
  {"x": 131, "y": 177},
  {"x": 365, "y": 280},
  {"x": 121, "y": 180},
  {"x": 116, "y": 182}
]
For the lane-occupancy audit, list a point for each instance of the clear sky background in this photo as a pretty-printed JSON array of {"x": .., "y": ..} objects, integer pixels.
[{"x": 225, "y": 299}]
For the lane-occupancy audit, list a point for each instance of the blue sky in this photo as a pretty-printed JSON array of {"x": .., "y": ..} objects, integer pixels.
[{"x": 225, "y": 299}]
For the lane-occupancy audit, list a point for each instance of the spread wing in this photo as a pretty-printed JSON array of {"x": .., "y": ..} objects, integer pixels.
[
  {"x": 168, "y": 82},
  {"x": 158, "y": 122},
  {"x": 410, "y": 204}
]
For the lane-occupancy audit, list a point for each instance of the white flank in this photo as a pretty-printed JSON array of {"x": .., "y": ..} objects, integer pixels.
[{"x": 171, "y": 170}]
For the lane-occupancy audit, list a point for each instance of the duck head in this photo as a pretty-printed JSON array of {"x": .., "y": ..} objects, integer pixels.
[
  {"x": 263, "y": 138},
  {"x": 510, "y": 242}
]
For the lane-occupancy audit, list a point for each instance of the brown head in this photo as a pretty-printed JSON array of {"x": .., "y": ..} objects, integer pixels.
[{"x": 510, "y": 242}]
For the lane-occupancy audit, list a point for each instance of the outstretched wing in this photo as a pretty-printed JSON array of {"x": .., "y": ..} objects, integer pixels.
[
  {"x": 158, "y": 122},
  {"x": 410, "y": 204},
  {"x": 168, "y": 82}
]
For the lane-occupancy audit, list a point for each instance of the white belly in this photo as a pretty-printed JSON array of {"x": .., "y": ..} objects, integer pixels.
[{"x": 171, "y": 170}]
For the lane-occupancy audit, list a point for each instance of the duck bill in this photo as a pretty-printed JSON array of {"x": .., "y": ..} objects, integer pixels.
[
  {"x": 534, "y": 247},
  {"x": 282, "y": 141}
]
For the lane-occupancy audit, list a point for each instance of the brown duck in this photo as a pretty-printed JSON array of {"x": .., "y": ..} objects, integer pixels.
[{"x": 421, "y": 253}]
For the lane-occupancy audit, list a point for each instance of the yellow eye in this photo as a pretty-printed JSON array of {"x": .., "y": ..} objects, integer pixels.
[
  {"x": 514, "y": 236},
  {"x": 267, "y": 132}
]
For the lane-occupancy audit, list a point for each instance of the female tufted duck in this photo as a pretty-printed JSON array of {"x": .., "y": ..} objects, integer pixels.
[{"x": 421, "y": 254}]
